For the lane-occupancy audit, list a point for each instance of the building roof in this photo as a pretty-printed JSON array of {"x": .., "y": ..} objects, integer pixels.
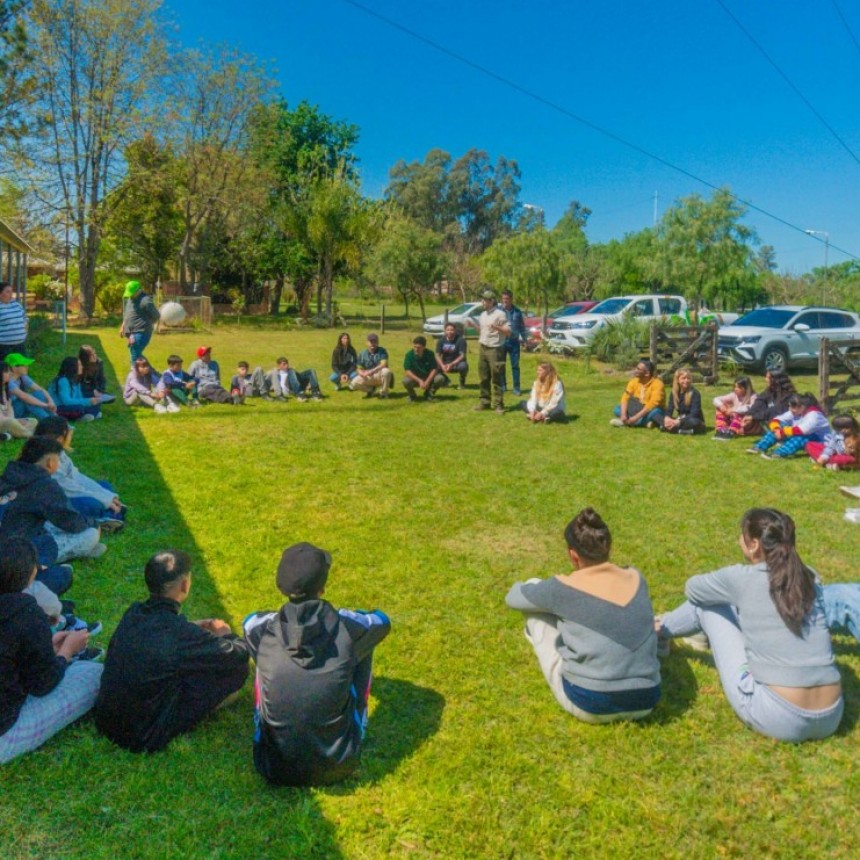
[{"x": 9, "y": 237}]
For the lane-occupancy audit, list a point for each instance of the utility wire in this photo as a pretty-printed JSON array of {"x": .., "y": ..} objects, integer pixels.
[
  {"x": 846, "y": 25},
  {"x": 788, "y": 80},
  {"x": 531, "y": 94}
]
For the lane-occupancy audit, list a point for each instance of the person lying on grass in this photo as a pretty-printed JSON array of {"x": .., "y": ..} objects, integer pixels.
[
  {"x": 43, "y": 687},
  {"x": 313, "y": 676},
  {"x": 164, "y": 674},
  {"x": 766, "y": 624},
  {"x": 592, "y": 629}
]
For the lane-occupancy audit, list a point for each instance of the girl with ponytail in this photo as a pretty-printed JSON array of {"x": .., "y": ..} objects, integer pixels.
[{"x": 767, "y": 629}]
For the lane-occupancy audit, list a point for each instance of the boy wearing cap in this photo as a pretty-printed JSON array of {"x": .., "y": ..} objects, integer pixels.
[
  {"x": 164, "y": 674},
  {"x": 207, "y": 375},
  {"x": 29, "y": 399},
  {"x": 373, "y": 370},
  {"x": 139, "y": 317},
  {"x": 313, "y": 676}
]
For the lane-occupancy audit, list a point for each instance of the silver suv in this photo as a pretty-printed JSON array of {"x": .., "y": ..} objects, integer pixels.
[{"x": 783, "y": 336}]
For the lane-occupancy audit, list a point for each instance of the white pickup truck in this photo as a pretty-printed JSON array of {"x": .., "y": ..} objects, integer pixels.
[{"x": 576, "y": 332}]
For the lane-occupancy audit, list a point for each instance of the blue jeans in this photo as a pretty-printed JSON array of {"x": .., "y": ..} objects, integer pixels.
[
  {"x": 139, "y": 342},
  {"x": 756, "y": 704},
  {"x": 298, "y": 381},
  {"x": 335, "y": 377},
  {"x": 512, "y": 351},
  {"x": 842, "y": 607},
  {"x": 90, "y": 507},
  {"x": 655, "y": 415},
  {"x": 26, "y": 410},
  {"x": 55, "y": 577}
]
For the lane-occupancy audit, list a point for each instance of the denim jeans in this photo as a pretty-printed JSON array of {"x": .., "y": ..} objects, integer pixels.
[
  {"x": 842, "y": 607},
  {"x": 512, "y": 351},
  {"x": 73, "y": 545},
  {"x": 298, "y": 381},
  {"x": 92, "y": 507},
  {"x": 26, "y": 410},
  {"x": 655, "y": 415},
  {"x": 756, "y": 704},
  {"x": 335, "y": 377},
  {"x": 139, "y": 342}
]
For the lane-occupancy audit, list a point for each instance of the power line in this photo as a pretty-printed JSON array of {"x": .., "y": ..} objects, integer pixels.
[
  {"x": 788, "y": 80},
  {"x": 846, "y": 25},
  {"x": 531, "y": 94}
]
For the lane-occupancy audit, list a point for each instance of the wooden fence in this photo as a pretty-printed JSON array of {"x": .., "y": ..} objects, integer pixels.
[
  {"x": 835, "y": 358},
  {"x": 686, "y": 346}
]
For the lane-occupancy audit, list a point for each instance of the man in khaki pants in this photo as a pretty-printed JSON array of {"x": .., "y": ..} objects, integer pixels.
[
  {"x": 373, "y": 369},
  {"x": 494, "y": 328}
]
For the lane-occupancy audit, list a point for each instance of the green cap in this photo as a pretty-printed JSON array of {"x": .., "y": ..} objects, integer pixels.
[
  {"x": 130, "y": 289},
  {"x": 15, "y": 359},
  {"x": 488, "y": 294}
]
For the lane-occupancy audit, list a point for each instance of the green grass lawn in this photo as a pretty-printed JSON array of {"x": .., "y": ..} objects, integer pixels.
[{"x": 431, "y": 511}]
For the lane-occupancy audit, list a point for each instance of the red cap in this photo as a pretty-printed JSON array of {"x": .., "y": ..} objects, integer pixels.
[{"x": 201, "y": 351}]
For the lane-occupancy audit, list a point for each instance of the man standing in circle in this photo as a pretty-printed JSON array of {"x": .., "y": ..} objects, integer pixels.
[
  {"x": 13, "y": 323},
  {"x": 517, "y": 324},
  {"x": 494, "y": 328},
  {"x": 139, "y": 318}
]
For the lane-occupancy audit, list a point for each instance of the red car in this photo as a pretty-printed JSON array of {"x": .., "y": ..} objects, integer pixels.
[{"x": 534, "y": 325}]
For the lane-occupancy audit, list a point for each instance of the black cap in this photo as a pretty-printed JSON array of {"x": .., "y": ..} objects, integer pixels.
[{"x": 303, "y": 571}]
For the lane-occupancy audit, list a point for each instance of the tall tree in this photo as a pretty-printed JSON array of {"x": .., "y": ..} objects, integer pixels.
[
  {"x": 422, "y": 191},
  {"x": 98, "y": 61},
  {"x": 146, "y": 229},
  {"x": 215, "y": 94},
  {"x": 15, "y": 57},
  {"x": 706, "y": 251},
  {"x": 408, "y": 257}
]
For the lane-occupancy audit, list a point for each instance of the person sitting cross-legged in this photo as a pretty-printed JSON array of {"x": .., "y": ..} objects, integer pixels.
[
  {"x": 643, "y": 401},
  {"x": 313, "y": 676},
  {"x": 43, "y": 687},
  {"x": 420, "y": 370},
  {"x": 164, "y": 674}
]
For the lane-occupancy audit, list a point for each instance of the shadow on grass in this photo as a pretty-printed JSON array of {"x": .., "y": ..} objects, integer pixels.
[
  {"x": 679, "y": 689},
  {"x": 118, "y": 795},
  {"x": 407, "y": 715}
]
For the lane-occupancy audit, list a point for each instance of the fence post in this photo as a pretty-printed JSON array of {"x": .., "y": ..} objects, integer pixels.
[
  {"x": 713, "y": 352},
  {"x": 652, "y": 344},
  {"x": 824, "y": 374},
  {"x": 382, "y": 321}
]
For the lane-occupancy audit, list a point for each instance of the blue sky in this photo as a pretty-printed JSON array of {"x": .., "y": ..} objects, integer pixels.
[{"x": 679, "y": 79}]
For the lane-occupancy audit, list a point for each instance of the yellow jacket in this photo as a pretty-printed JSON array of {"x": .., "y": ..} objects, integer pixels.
[{"x": 651, "y": 394}]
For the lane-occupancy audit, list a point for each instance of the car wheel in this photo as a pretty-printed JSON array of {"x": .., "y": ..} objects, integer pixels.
[{"x": 774, "y": 358}]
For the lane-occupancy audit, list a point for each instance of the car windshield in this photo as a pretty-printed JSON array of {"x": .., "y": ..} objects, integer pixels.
[
  {"x": 567, "y": 311},
  {"x": 766, "y": 318},
  {"x": 610, "y": 306},
  {"x": 460, "y": 309}
]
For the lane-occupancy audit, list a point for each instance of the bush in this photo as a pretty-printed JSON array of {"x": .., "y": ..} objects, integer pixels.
[
  {"x": 620, "y": 343},
  {"x": 45, "y": 288},
  {"x": 109, "y": 297}
]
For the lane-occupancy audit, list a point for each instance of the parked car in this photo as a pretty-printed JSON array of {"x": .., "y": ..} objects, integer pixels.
[
  {"x": 783, "y": 336},
  {"x": 576, "y": 332},
  {"x": 535, "y": 324},
  {"x": 466, "y": 315}
]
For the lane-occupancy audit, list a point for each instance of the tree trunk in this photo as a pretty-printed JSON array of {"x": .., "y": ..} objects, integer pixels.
[
  {"x": 329, "y": 288},
  {"x": 421, "y": 305},
  {"x": 275, "y": 297},
  {"x": 87, "y": 255}
]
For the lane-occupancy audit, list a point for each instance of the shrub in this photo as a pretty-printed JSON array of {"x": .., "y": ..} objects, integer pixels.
[
  {"x": 109, "y": 297},
  {"x": 620, "y": 343}
]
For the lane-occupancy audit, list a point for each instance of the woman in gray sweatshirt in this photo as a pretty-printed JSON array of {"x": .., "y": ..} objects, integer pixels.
[{"x": 767, "y": 629}]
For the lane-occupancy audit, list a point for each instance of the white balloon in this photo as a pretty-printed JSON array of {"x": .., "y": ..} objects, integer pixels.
[{"x": 172, "y": 313}]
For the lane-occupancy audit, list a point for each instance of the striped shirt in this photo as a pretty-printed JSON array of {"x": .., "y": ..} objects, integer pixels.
[{"x": 13, "y": 323}]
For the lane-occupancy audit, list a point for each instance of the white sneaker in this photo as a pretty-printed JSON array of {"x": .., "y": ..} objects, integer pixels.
[
  {"x": 851, "y": 492},
  {"x": 172, "y": 407},
  {"x": 97, "y": 551},
  {"x": 160, "y": 408},
  {"x": 86, "y": 417},
  {"x": 616, "y": 422},
  {"x": 852, "y": 515}
]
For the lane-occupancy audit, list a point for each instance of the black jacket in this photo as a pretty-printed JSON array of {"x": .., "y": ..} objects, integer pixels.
[
  {"x": 163, "y": 675},
  {"x": 38, "y": 498},
  {"x": 28, "y": 665},
  {"x": 344, "y": 361},
  {"x": 309, "y": 732}
]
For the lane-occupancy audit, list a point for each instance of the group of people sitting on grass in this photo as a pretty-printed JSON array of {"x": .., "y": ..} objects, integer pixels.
[
  {"x": 766, "y": 621},
  {"x": 788, "y": 422},
  {"x": 164, "y": 674}
]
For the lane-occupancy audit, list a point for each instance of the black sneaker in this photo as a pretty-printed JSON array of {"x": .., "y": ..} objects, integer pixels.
[
  {"x": 95, "y": 655},
  {"x": 109, "y": 525},
  {"x": 5, "y": 437},
  {"x": 75, "y": 623}
]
